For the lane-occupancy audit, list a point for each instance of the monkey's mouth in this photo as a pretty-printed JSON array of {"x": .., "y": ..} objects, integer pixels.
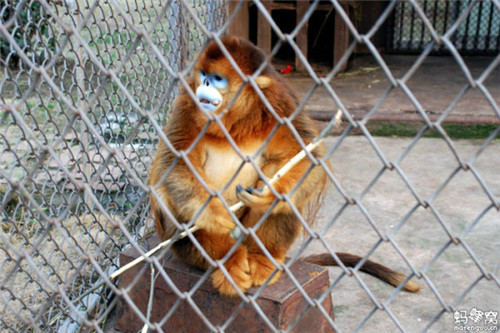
[
  {"x": 210, "y": 99},
  {"x": 205, "y": 101}
]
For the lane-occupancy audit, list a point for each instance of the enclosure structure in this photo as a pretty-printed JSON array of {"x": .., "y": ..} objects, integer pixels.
[{"x": 86, "y": 88}]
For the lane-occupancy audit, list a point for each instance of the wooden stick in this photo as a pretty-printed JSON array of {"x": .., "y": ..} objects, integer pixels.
[
  {"x": 236, "y": 231},
  {"x": 151, "y": 252}
]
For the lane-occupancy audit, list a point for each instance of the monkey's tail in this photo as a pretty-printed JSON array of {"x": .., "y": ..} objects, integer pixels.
[{"x": 371, "y": 267}]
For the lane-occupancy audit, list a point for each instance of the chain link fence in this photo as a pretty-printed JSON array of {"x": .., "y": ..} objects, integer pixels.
[{"x": 85, "y": 88}]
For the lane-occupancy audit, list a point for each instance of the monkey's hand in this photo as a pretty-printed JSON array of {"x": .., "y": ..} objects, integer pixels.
[
  {"x": 215, "y": 218},
  {"x": 256, "y": 199}
]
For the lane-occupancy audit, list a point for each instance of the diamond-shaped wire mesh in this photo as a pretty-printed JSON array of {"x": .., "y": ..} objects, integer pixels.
[{"x": 87, "y": 86}]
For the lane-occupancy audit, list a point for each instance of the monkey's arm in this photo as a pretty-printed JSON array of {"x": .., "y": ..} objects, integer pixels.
[{"x": 312, "y": 185}]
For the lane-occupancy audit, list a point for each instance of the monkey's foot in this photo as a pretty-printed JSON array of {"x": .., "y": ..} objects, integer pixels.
[
  {"x": 261, "y": 269},
  {"x": 238, "y": 269},
  {"x": 255, "y": 198}
]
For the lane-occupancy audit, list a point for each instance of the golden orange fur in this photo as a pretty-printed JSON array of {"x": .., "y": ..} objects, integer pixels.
[{"x": 249, "y": 123}]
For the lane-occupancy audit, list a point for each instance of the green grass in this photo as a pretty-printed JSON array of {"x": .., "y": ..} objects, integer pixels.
[{"x": 454, "y": 130}]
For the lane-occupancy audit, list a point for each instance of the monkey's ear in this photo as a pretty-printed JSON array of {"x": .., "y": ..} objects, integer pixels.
[{"x": 263, "y": 81}]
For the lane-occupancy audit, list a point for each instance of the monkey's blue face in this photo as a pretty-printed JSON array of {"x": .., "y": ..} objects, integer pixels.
[{"x": 208, "y": 92}]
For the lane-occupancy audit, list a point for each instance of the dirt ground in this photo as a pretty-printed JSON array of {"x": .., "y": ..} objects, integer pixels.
[
  {"x": 435, "y": 84},
  {"x": 427, "y": 166}
]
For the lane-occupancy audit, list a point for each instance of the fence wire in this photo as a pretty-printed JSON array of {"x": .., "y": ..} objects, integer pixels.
[{"x": 85, "y": 90}]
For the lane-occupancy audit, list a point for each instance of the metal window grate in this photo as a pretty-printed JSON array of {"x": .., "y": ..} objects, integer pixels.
[{"x": 478, "y": 33}]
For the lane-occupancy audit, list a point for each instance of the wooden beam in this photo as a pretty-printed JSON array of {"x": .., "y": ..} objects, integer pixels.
[
  {"x": 241, "y": 24},
  {"x": 302, "y": 40},
  {"x": 283, "y": 5},
  {"x": 264, "y": 29},
  {"x": 341, "y": 39},
  {"x": 282, "y": 301}
]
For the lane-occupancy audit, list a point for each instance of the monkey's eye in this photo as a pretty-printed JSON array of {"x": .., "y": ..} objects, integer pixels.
[
  {"x": 218, "y": 81},
  {"x": 202, "y": 75}
]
